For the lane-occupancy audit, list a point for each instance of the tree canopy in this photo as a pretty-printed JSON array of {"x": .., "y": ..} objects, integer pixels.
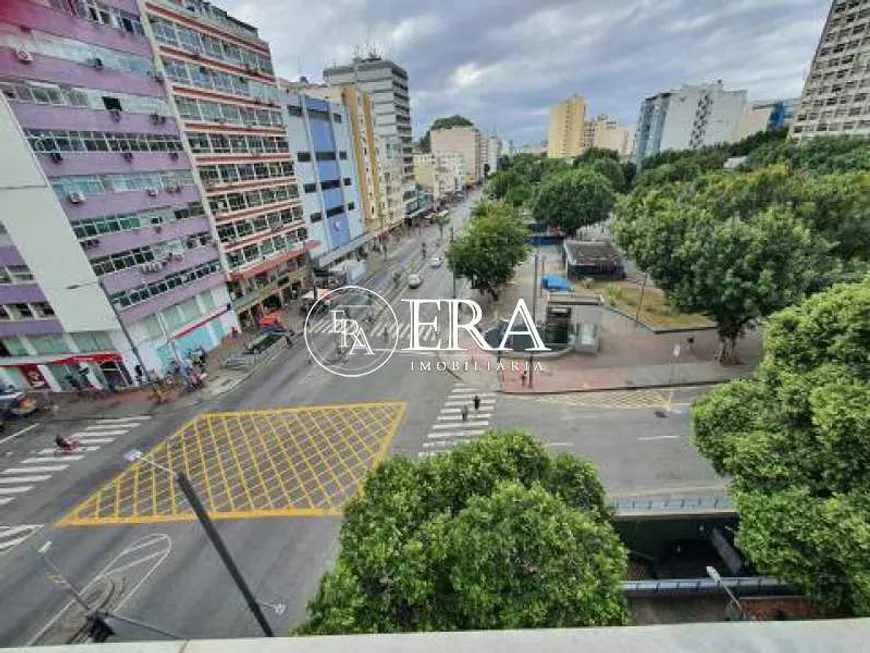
[
  {"x": 492, "y": 246},
  {"x": 722, "y": 248},
  {"x": 823, "y": 155},
  {"x": 573, "y": 199},
  {"x": 795, "y": 438},
  {"x": 494, "y": 534}
]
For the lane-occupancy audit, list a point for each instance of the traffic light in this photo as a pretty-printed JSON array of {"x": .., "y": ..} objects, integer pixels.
[{"x": 98, "y": 629}]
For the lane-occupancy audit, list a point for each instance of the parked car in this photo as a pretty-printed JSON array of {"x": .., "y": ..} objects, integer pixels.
[
  {"x": 414, "y": 280},
  {"x": 436, "y": 261}
]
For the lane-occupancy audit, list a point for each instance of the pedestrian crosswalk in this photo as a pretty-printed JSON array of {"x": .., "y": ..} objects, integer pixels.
[
  {"x": 459, "y": 421},
  {"x": 38, "y": 466},
  {"x": 12, "y": 536},
  {"x": 428, "y": 333}
]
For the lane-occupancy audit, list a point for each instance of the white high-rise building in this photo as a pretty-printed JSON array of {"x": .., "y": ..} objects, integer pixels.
[
  {"x": 834, "y": 99},
  {"x": 687, "y": 118}
]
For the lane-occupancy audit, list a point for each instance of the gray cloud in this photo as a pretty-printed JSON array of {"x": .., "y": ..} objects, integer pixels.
[{"x": 502, "y": 63}]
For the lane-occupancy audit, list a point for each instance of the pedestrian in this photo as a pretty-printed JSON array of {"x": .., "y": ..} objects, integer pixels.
[
  {"x": 476, "y": 403},
  {"x": 523, "y": 378},
  {"x": 464, "y": 412},
  {"x": 288, "y": 340}
]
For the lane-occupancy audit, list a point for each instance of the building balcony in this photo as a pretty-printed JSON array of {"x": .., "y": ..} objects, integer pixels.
[
  {"x": 60, "y": 71},
  {"x": 161, "y": 302},
  {"x": 20, "y": 293},
  {"x": 133, "y": 276},
  {"x": 45, "y": 116},
  {"x": 99, "y": 163},
  {"x": 121, "y": 242},
  {"x": 34, "y": 16},
  {"x": 134, "y": 201},
  {"x": 9, "y": 255},
  {"x": 29, "y": 327}
]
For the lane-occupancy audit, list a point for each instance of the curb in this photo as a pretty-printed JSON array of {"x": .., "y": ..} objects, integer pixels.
[{"x": 653, "y": 329}]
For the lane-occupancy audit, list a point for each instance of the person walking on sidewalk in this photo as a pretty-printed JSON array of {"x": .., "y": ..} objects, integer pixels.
[
  {"x": 523, "y": 378},
  {"x": 476, "y": 401},
  {"x": 464, "y": 412}
]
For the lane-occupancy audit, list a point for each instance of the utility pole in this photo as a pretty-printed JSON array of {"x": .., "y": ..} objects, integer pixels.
[
  {"x": 534, "y": 316},
  {"x": 193, "y": 499},
  {"x": 640, "y": 301}
]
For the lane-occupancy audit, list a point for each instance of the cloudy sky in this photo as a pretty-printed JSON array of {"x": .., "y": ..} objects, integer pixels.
[{"x": 502, "y": 63}]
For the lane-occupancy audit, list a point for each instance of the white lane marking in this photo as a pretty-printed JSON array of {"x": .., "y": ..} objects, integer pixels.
[
  {"x": 405, "y": 331},
  {"x": 102, "y": 427},
  {"x": 28, "y": 470},
  {"x": 84, "y": 434},
  {"x": 458, "y": 417},
  {"x": 659, "y": 437},
  {"x": 23, "y": 479},
  {"x": 490, "y": 403},
  {"x": 19, "y": 433},
  {"x": 3, "y": 502},
  {"x": 559, "y": 444},
  {"x": 482, "y": 411},
  {"x": 14, "y": 530},
  {"x": 96, "y": 440},
  {"x": 5, "y": 546},
  {"x": 458, "y": 395},
  {"x": 455, "y": 434},
  {"x": 452, "y": 426},
  {"x": 44, "y": 451},
  {"x": 15, "y": 490},
  {"x": 47, "y": 459},
  {"x": 132, "y": 418}
]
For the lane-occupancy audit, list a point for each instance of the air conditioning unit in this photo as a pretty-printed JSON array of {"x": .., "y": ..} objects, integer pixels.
[
  {"x": 250, "y": 68},
  {"x": 128, "y": 156},
  {"x": 76, "y": 197},
  {"x": 97, "y": 63},
  {"x": 173, "y": 156},
  {"x": 175, "y": 188},
  {"x": 153, "y": 192},
  {"x": 116, "y": 115},
  {"x": 24, "y": 56},
  {"x": 157, "y": 119},
  {"x": 91, "y": 243},
  {"x": 177, "y": 256},
  {"x": 222, "y": 121},
  {"x": 158, "y": 228},
  {"x": 209, "y": 185},
  {"x": 57, "y": 157}
]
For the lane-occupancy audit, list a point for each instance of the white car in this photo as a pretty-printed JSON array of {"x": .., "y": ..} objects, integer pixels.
[
  {"x": 414, "y": 280},
  {"x": 436, "y": 261}
]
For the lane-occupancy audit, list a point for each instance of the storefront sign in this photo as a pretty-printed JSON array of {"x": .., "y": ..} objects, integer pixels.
[{"x": 34, "y": 376}]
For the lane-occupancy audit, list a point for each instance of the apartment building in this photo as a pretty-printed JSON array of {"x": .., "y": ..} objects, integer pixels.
[
  {"x": 108, "y": 266},
  {"x": 836, "y": 94},
  {"x": 441, "y": 174},
  {"x": 319, "y": 132},
  {"x": 687, "y": 118},
  {"x": 219, "y": 73},
  {"x": 565, "y": 136},
  {"x": 604, "y": 132},
  {"x": 490, "y": 151},
  {"x": 467, "y": 141},
  {"x": 387, "y": 84}
]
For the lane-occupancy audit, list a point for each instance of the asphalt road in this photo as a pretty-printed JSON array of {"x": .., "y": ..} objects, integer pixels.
[{"x": 303, "y": 431}]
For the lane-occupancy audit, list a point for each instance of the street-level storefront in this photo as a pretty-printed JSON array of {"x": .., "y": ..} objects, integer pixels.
[
  {"x": 260, "y": 291},
  {"x": 61, "y": 373},
  {"x": 206, "y": 333}
]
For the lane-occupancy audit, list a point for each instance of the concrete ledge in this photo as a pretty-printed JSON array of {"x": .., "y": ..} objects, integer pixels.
[{"x": 721, "y": 637}]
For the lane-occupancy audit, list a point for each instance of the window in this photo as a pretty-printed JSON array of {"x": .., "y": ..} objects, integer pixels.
[
  {"x": 87, "y": 341},
  {"x": 21, "y": 311},
  {"x": 334, "y": 211},
  {"x": 316, "y": 217},
  {"x": 342, "y": 155},
  {"x": 329, "y": 185},
  {"x": 351, "y": 206},
  {"x": 112, "y": 103},
  {"x": 15, "y": 347},
  {"x": 347, "y": 181},
  {"x": 324, "y": 156},
  {"x": 49, "y": 344},
  {"x": 294, "y": 110},
  {"x": 303, "y": 156},
  {"x": 336, "y": 117},
  {"x": 310, "y": 188},
  {"x": 43, "y": 309}
]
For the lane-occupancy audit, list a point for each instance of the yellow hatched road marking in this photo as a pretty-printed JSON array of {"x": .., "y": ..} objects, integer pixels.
[{"x": 304, "y": 461}]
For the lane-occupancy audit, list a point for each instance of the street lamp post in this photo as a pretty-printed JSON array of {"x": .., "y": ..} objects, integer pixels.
[
  {"x": 117, "y": 315},
  {"x": 193, "y": 499},
  {"x": 716, "y": 578},
  {"x": 452, "y": 271},
  {"x": 534, "y": 315}
]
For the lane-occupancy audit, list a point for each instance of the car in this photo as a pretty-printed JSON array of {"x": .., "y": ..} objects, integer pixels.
[
  {"x": 414, "y": 280},
  {"x": 436, "y": 261}
]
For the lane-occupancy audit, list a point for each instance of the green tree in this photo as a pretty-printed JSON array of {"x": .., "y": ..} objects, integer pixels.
[
  {"x": 732, "y": 267},
  {"x": 574, "y": 199},
  {"x": 492, "y": 246},
  {"x": 494, "y": 534},
  {"x": 594, "y": 154},
  {"x": 442, "y": 221},
  {"x": 610, "y": 169},
  {"x": 823, "y": 155},
  {"x": 510, "y": 186},
  {"x": 795, "y": 439}
]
